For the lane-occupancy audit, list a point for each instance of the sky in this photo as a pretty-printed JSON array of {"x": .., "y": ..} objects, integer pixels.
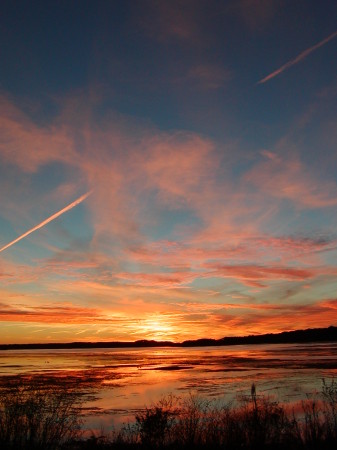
[{"x": 168, "y": 169}]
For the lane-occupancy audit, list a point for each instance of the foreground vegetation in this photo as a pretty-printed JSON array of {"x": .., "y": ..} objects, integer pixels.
[{"x": 50, "y": 419}]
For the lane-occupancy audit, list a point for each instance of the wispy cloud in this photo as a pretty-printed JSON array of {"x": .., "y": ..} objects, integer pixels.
[
  {"x": 177, "y": 218},
  {"x": 46, "y": 221},
  {"x": 298, "y": 58},
  {"x": 207, "y": 76},
  {"x": 292, "y": 180}
]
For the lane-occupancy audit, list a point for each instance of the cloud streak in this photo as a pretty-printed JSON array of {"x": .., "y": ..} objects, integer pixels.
[
  {"x": 48, "y": 220},
  {"x": 298, "y": 58}
]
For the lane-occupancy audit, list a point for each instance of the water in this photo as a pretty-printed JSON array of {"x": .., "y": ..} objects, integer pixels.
[{"x": 123, "y": 381}]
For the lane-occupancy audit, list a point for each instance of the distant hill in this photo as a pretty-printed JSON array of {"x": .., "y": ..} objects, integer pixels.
[{"x": 287, "y": 337}]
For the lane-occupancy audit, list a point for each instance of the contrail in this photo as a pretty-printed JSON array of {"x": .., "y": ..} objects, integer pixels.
[
  {"x": 298, "y": 58},
  {"x": 45, "y": 222}
]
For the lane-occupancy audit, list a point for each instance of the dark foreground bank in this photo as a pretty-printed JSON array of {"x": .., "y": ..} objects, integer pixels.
[{"x": 50, "y": 419}]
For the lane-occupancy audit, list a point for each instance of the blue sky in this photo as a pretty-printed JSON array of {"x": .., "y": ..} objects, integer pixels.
[{"x": 203, "y": 132}]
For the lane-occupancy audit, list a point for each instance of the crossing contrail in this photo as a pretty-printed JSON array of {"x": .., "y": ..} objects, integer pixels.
[
  {"x": 49, "y": 219},
  {"x": 298, "y": 58}
]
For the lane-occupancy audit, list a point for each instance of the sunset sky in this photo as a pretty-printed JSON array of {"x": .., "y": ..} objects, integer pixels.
[{"x": 168, "y": 169}]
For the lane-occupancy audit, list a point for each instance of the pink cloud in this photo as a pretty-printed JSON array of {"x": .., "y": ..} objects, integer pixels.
[
  {"x": 180, "y": 169},
  {"x": 137, "y": 172},
  {"x": 180, "y": 166},
  {"x": 257, "y": 14},
  {"x": 289, "y": 179},
  {"x": 256, "y": 275},
  {"x": 171, "y": 20},
  {"x": 21, "y": 137},
  {"x": 207, "y": 76},
  {"x": 123, "y": 166},
  {"x": 192, "y": 254},
  {"x": 167, "y": 279}
]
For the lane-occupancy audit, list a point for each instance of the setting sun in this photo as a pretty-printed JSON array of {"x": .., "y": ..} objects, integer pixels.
[{"x": 155, "y": 328}]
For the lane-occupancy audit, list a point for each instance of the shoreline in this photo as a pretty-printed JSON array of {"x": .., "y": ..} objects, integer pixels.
[{"x": 307, "y": 336}]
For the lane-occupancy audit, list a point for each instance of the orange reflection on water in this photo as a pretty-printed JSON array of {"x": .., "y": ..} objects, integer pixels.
[{"x": 124, "y": 381}]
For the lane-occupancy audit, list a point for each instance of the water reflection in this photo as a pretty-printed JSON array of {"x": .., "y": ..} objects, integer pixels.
[{"x": 125, "y": 380}]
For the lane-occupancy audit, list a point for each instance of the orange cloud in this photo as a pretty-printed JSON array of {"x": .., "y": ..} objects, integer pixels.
[
  {"x": 283, "y": 318},
  {"x": 182, "y": 321},
  {"x": 49, "y": 314}
]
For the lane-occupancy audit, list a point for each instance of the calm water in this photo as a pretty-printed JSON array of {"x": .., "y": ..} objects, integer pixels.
[{"x": 126, "y": 380}]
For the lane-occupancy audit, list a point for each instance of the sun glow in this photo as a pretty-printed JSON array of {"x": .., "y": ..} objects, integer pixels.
[{"x": 156, "y": 328}]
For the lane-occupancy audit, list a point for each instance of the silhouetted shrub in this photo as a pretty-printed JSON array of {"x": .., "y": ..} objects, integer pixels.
[
  {"x": 35, "y": 418},
  {"x": 329, "y": 395},
  {"x": 256, "y": 422},
  {"x": 154, "y": 424}
]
